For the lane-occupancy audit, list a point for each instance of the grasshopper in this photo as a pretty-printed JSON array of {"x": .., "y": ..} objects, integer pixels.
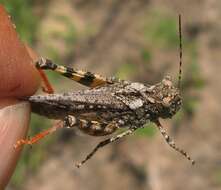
[{"x": 108, "y": 105}]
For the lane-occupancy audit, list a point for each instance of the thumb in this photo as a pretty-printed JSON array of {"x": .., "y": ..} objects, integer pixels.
[{"x": 14, "y": 120}]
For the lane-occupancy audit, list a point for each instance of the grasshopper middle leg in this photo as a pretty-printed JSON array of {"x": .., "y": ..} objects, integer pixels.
[
  {"x": 106, "y": 142},
  {"x": 172, "y": 143}
]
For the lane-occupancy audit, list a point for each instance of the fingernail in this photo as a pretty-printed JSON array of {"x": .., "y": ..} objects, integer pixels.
[{"x": 14, "y": 122}]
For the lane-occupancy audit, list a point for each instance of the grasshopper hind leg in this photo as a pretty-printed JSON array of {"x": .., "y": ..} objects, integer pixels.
[
  {"x": 86, "y": 78},
  {"x": 39, "y": 136},
  {"x": 96, "y": 128},
  {"x": 46, "y": 87},
  {"x": 69, "y": 121}
]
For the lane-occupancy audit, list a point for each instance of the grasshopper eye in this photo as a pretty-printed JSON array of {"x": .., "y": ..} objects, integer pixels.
[
  {"x": 167, "y": 101},
  {"x": 167, "y": 81}
]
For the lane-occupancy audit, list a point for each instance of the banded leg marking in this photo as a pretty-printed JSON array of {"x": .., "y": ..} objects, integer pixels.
[
  {"x": 96, "y": 128},
  {"x": 86, "y": 78},
  {"x": 90, "y": 127},
  {"x": 104, "y": 143},
  {"x": 172, "y": 143}
]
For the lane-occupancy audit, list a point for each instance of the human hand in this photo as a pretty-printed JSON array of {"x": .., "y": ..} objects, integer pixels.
[{"x": 18, "y": 78}]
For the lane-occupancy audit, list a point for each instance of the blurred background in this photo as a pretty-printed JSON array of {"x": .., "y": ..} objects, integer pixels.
[{"x": 133, "y": 40}]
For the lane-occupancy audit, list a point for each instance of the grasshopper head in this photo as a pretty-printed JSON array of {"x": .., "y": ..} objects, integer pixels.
[{"x": 167, "y": 97}]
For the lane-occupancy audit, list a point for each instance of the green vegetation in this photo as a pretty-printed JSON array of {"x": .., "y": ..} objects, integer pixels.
[
  {"x": 70, "y": 35},
  {"x": 146, "y": 55},
  {"x": 125, "y": 70},
  {"x": 149, "y": 130},
  {"x": 161, "y": 30},
  {"x": 22, "y": 16},
  {"x": 217, "y": 175}
]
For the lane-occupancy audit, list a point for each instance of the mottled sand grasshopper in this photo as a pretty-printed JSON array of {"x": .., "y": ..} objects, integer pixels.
[{"x": 108, "y": 105}]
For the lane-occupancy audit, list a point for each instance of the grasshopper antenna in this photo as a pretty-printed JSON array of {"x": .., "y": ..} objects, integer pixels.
[{"x": 181, "y": 53}]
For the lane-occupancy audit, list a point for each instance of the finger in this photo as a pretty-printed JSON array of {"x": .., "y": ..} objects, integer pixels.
[{"x": 18, "y": 77}]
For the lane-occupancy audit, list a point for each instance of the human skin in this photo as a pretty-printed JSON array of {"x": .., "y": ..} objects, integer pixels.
[{"x": 18, "y": 78}]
